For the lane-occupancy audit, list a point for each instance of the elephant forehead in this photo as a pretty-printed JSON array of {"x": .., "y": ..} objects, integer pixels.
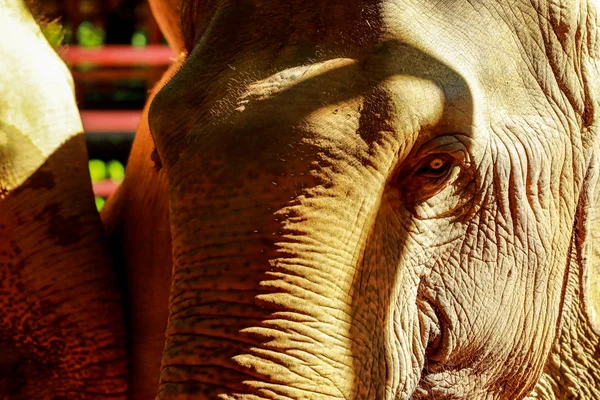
[
  {"x": 343, "y": 90},
  {"x": 515, "y": 57},
  {"x": 492, "y": 62}
]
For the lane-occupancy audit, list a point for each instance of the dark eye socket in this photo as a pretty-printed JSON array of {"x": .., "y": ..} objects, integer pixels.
[
  {"x": 435, "y": 166},
  {"x": 156, "y": 159}
]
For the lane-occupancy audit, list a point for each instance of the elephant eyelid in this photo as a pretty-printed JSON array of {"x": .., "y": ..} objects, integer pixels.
[
  {"x": 438, "y": 157},
  {"x": 430, "y": 176}
]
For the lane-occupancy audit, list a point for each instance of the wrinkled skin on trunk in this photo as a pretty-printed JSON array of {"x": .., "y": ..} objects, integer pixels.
[
  {"x": 373, "y": 200},
  {"x": 61, "y": 326}
]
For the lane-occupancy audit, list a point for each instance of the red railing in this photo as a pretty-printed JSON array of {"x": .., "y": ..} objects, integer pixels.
[
  {"x": 118, "y": 56},
  {"x": 101, "y": 121},
  {"x": 105, "y": 188},
  {"x": 96, "y": 121}
]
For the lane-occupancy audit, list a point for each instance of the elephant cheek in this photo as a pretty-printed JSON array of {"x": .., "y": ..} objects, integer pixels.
[{"x": 404, "y": 329}]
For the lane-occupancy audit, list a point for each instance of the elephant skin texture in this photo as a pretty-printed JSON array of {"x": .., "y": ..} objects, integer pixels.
[
  {"x": 381, "y": 200},
  {"x": 136, "y": 218},
  {"x": 62, "y": 332},
  {"x": 375, "y": 199}
]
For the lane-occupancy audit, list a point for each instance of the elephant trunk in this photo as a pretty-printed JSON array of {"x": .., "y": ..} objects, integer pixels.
[{"x": 282, "y": 287}]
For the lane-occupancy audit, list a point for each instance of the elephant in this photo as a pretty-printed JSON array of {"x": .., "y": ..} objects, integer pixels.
[
  {"x": 62, "y": 330},
  {"x": 369, "y": 199}
]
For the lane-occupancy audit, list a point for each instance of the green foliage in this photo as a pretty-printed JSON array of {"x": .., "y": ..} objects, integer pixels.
[
  {"x": 116, "y": 171},
  {"x": 139, "y": 39},
  {"x": 97, "y": 170},
  {"x": 90, "y": 36},
  {"x": 54, "y": 33},
  {"x": 99, "y": 202}
]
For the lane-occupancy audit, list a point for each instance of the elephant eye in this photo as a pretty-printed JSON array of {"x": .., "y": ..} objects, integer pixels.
[
  {"x": 428, "y": 177},
  {"x": 436, "y": 166},
  {"x": 440, "y": 166}
]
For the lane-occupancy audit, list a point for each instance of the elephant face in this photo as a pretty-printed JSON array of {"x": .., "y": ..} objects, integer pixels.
[{"x": 373, "y": 199}]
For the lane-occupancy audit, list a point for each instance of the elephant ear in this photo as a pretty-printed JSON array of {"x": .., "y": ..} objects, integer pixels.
[
  {"x": 38, "y": 112},
  {"x": 180, "y": 21},
  {"x": 588, "y": 238},
  {"x": 167, "y": 14}
]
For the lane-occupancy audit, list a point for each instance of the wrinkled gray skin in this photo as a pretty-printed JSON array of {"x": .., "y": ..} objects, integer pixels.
[
  {"x": 62, "y": 333},
  {"x": 383, "y": 199}
]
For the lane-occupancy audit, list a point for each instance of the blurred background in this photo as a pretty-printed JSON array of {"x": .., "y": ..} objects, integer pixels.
[{"x": 116, "y": 54}]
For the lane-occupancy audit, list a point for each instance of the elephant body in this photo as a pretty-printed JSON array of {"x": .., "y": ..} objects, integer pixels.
[{"x": 62, "y": 333}]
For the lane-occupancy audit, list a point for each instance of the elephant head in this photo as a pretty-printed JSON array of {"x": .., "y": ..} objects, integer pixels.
[
  {"x": 379, "y": 199},
  {"x": 62, "y": 332}
]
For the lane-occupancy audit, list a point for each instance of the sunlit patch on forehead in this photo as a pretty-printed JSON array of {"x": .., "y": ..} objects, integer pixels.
[
  {"x": 498, "y": 66},
  {"x": 287, "y": 79}
]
